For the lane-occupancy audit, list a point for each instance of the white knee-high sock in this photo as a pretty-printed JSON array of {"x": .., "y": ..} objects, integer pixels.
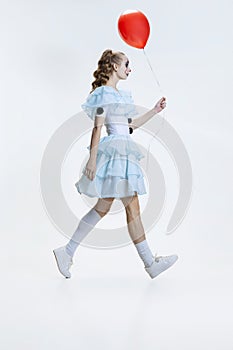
[
  {"x": 86, "y": 224},
  {"x": 145, "y": 253}
]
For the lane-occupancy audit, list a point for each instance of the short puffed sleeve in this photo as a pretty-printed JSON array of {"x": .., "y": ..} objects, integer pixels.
[{"x": 96, "y": 104}]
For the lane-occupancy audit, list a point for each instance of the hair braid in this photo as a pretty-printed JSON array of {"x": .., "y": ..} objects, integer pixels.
[{"x": 105, "y": 67}]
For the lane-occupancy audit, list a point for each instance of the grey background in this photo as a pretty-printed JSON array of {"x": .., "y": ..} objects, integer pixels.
[{"x": 49, "y": 50}]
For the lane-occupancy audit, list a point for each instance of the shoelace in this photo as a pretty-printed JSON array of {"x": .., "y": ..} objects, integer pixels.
[
  {"x": 157, "y": 258},
  {"x": 70, "y": 263}
]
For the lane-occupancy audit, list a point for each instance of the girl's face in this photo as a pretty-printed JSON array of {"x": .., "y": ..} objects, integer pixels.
[{"x": 123, "y": 69}]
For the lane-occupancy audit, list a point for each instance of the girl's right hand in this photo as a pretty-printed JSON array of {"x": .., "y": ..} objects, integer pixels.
[
  {"x": 90, "y": 169},
  {"x": 160, "y": 105}
]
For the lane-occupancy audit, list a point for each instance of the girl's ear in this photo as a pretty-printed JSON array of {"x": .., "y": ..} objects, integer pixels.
[{"x": 115, "y": 67}]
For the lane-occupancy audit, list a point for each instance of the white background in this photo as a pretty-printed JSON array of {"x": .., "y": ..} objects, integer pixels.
[{"x": 49, "y": 50}]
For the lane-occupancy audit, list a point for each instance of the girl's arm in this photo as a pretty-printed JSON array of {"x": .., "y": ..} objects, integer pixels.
[
  {"x": 137, "y": 122},
  {"x": 90, "y": 169},
  {"x": 95, "y": 137}
]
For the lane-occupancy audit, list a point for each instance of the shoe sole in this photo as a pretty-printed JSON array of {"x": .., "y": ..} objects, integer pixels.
[{"x": 59, "y": 266}]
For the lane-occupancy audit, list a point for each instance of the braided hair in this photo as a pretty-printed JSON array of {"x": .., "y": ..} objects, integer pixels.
[{"x": 105, "y": 67}]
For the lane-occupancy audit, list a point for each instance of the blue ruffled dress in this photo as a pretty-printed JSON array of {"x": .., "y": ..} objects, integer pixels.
[{"x": 118, "y": 172}]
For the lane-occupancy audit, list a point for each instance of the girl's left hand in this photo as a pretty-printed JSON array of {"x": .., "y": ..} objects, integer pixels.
[
  {"x": 90, "y": 169},
  {"x": 160, "y": 105}
]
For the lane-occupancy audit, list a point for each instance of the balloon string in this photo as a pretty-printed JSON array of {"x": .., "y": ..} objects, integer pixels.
[
  {"x": 148, "y": 61},
  {"x": 158, "y": 83}
]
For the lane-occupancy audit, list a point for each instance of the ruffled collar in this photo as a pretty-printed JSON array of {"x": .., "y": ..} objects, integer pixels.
[
  {"x": 108, "y": 88},
  {"x": 108, "y": 96}
]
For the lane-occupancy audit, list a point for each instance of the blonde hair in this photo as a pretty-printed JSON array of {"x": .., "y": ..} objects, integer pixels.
[{"x": 105, "y": 67}]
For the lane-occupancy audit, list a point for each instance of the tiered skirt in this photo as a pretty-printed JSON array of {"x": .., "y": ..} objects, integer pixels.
[{"x": 118, "y": 172}]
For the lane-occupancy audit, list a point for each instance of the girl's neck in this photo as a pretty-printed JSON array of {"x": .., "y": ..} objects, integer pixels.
[
  {"x": 114, "y": 87},
  {"x": 113, "y": 83}
]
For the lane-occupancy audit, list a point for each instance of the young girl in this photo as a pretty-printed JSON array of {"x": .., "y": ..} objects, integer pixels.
[{"x": 113, "y": 169}]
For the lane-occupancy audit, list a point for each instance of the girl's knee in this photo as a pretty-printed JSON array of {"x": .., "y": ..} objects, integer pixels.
[
  {"x": 131, "y": 205},
  {"x": 103, "y": 206}
]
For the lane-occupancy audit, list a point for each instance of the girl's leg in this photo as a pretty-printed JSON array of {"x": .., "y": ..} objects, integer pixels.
[
  {"x": 65, "y": 254},
  {"x": 88, "y": 222},
  {"x": 136, "y": 230}
]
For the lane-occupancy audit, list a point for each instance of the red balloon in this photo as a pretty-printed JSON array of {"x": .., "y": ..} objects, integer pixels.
[{"x": 134, "y": 28}]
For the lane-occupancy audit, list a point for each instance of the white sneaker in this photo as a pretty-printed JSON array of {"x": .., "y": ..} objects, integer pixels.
[
  {"x": 160, "y": 264},
  {"x": 64, "y": 261}
]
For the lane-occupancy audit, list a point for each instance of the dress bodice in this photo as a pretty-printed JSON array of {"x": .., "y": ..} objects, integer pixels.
[{"x": 116, "y": 106}]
